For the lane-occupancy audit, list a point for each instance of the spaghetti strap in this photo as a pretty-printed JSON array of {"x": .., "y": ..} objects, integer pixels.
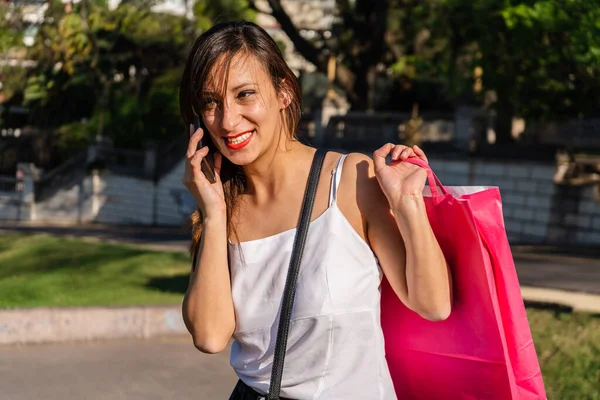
[{"x": 335, "y": 180}]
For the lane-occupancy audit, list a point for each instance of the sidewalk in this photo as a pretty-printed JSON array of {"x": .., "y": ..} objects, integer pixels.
[{"x": 547, "y": 275}]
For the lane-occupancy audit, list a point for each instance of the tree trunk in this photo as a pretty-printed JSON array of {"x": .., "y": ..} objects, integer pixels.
[
  {"x": 102, "y": 108},
  {"x": 363, "y": 93},
  {"x": 504, "y": 117}
]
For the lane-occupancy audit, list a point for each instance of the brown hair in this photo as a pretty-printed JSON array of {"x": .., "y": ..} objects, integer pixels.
[{"x": 219, "y": 45}]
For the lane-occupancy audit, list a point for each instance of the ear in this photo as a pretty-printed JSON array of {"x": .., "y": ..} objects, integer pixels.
[{"x": 285, "y": 96}]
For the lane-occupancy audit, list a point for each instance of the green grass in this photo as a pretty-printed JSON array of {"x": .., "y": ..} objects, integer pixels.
[
  {"x": 42, "y": 270},
  {"x": 568, "y": 347}
]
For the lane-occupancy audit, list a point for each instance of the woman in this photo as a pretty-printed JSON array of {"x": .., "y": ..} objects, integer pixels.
[{"x": 368, "y": 218}]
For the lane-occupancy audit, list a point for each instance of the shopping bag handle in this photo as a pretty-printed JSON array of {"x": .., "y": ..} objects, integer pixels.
[{"x": 434, "y": 181}]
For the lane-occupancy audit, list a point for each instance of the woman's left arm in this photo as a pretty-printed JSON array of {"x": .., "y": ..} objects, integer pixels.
[{"x": 399, "y": 232}]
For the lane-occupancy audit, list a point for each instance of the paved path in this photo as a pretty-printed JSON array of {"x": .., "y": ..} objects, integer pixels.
[
  {"x": 572, "y": 273},
  {"x": 153, "y": 369}
]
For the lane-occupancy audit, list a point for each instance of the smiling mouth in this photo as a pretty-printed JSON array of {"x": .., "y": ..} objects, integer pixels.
[{"x": 239, "y": 141}]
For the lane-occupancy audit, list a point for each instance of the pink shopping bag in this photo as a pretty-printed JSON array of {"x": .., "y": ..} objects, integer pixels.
[{"x": 484, "y": 350}]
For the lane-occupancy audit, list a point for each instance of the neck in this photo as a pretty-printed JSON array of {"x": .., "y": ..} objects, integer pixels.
[{"x": 272, "y": 173}]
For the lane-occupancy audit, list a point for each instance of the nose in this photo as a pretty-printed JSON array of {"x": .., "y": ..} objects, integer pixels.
[{"x": 230, "y": 117}]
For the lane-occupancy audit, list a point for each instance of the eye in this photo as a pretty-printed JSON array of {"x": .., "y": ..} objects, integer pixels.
[
  {"x": 209, "y": 102},
  {"x": 245, "y": 94}
]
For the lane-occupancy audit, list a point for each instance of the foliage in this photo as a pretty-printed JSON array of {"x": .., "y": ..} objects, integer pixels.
[
  {"x": 556, "y": 71},
  {"x": 113, "y": 72},
  {"x": 11, "y": 28},
  {"x": 12, "y": 77},
  {"x": 96, "y": 64},
  {"x": 540, "y": 57},
  {"x": 209, "y": 12},
  {"x": 116, "y": 70}
]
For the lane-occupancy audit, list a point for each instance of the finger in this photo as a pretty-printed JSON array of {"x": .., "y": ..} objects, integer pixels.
[
  {"x": 196, "y": 165},
  {"x": 420, "y": 153},
  {"x": 196, "y": 159},
  {"x": 396, "y": 151},
  {"x": 193, "y": 143},
  {"x": 380, "y": 154},
  {"x": 406, "y": 153},
  {"x": 193, "y": 163},
  {"x": 218, "y": 162}
]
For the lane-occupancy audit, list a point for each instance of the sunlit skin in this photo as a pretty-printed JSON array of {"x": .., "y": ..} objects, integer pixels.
[{"x": 251, "y": 104}]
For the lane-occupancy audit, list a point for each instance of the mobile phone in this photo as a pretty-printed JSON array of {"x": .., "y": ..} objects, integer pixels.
[{"x": 208, "y": 163}]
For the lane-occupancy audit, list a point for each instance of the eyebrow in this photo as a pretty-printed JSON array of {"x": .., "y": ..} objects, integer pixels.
[{"x": 244, "y": 84}]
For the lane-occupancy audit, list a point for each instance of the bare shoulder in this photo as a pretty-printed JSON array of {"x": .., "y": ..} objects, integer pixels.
[
  {"x": 359, "y": 193},
  {"x": 359, "y": 165}
]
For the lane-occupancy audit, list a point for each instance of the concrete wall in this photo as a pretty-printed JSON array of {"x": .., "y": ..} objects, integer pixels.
[
  {"x": 10, "y": 206},
  {"x": 108, "y": 198},
  {"x": 70, "y": 205},
  {"x": 127, "y": 200},
  {"x": 174, "y": 203},
  {"x": 124, "y": 200}
]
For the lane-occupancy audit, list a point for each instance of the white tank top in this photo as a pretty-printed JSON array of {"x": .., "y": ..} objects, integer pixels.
[{"x": 335, "y": 348}]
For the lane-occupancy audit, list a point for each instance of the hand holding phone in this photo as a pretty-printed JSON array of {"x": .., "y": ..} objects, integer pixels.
[{"x": 207, "y": 165}]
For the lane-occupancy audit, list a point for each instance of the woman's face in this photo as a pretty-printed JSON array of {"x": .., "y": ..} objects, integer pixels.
[{"x": 248, "y": 120}]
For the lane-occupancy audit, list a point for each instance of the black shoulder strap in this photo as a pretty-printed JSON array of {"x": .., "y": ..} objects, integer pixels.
[{"x": 292, "y": 276}]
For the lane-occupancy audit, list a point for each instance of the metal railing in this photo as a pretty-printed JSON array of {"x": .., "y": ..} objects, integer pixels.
[
  {"x": 364, "y": 131},
  {"x": 127, "y": 162},
  {"x": 168, "y": 155},
  {"x": 10, "y": 186},
  {"x": 67, "y": 173},
  {"x": 581, "y": 134}
]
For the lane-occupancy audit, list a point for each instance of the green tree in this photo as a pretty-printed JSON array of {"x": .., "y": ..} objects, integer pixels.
[
  {"x": 11, "y": 29},
  {"x": 115, "y": 72},
  {"x": 209, "y": 12},
  {"x": 358, "y": 41},
  {"x": 99, "y": 65},
  {"x": 540, "y": 57},
  {"x": 11, "y": 48},
  {"x": 375, "y": 43}
]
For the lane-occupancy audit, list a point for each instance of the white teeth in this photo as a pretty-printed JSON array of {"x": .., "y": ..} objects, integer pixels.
[{"x": 239, "y": 139}]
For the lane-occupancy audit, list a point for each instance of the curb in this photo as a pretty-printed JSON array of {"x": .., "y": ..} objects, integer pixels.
[
  {"x": 59, "y": 325},
  {"x": 577, "y": 301},
  {"x": 55, "y": 325}
]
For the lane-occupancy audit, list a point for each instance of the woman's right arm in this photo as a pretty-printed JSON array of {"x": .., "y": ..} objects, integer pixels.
[{"x": 207, "y": 307}]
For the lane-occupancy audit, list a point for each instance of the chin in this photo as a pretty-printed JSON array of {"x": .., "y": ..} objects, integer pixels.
[{"x": 242, "y": 157}]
